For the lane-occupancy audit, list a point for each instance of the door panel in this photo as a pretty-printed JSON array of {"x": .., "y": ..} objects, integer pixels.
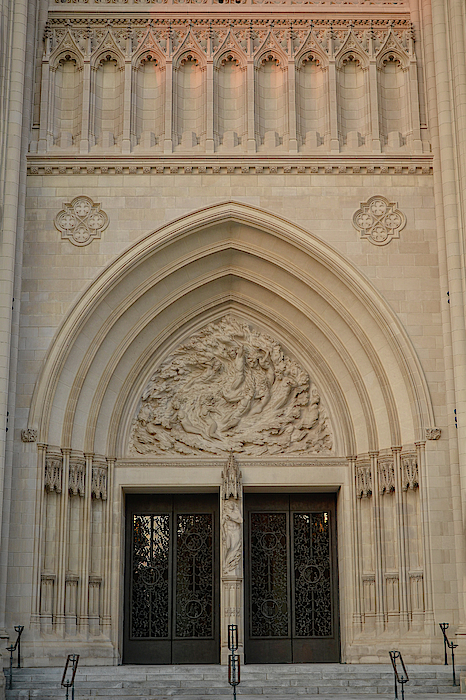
[
  {"x": 291, "y": 578},
  {"x": 171, "y": 580}
]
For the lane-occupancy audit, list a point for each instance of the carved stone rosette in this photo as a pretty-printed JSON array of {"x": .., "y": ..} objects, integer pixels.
[
  {"x": 81, "y": 220},
  {"x": 379, "y": 220},
  {"x": 433, "y": 433}
]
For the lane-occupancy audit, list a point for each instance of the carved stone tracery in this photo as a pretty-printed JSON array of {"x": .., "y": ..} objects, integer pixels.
[
  {"x": 230, "y": 388},
  {"x": 81, "y": 220}
]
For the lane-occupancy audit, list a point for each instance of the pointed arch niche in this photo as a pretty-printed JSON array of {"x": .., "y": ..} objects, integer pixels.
[
  {"x": 67, "y": 104},
  {"x": 312, "y": 102},
  {"x": 271, "y": 103},
  {"x": 149, "y": 101},
  {"x": 230, "y": 102},
  {"x": 107, "y": 101},
  {"x": 393, "y": 93},
  {"x": 189, "y": 103},
  {"x": 352, "y": 101}
]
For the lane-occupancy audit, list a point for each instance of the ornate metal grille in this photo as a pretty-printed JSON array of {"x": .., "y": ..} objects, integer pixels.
[
  {"x": 194, "y": 576},
  {"x": 269, "y": 614},
  {"x": 150, "y": 576},
  {"x": 312, "y": 574}
]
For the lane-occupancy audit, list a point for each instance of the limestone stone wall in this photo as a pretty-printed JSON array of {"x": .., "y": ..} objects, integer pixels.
[{"x": 270, "y": 163}]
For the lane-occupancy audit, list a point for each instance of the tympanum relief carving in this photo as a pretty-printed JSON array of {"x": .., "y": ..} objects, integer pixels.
[{"x": 230, "y": 388}]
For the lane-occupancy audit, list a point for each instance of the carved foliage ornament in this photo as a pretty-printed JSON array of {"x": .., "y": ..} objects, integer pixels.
[
  {"x": 410, "y": 472},
  {"x": 81, "y": 220},
  {"x": 230, "y": 388},
  {"x": 363, "y": 480},
  {"x": 29, "y": 435},
  {"x": 379, "y": 220},
  {"x": 386, "y": 468},
  {"x": 53, "y": 474}
]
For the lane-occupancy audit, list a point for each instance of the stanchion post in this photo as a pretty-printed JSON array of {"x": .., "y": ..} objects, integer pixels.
[
  {"x": 69, "y": 673},
  {"x": 446, "y": 642},
  {"x": 234, "y": 672}
]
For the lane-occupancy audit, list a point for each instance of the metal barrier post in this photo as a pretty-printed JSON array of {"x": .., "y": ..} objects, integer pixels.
[
  {"x": 234, "y": 673},
  {"x": 69, "y": 673},
  {"x": 12, "y": 648},
  {"x": 444, "y": 626},
  {"x": 401, "y": 679}
]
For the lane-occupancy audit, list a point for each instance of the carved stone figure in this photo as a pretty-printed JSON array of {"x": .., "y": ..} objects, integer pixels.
[
  {"x": 232, "y": 535},
  {"x": 230, "y": 388}
]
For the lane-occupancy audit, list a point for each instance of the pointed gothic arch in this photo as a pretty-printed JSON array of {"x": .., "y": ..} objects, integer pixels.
[{"x": 91, "y": 378}]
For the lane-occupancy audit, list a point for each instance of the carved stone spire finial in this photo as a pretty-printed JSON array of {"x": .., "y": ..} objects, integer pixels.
[{"x": 231, "y": 479}]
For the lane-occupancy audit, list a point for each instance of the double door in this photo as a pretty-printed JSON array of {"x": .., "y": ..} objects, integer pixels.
[
  {"x": 291, "y": 611},
  {"x": 171, "y": 579}
]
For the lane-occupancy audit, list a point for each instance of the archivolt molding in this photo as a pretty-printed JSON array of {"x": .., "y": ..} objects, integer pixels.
[{"x": 114, "y": 273}]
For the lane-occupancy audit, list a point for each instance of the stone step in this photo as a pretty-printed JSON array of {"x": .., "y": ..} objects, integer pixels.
[{"x": 258, "y": 682}]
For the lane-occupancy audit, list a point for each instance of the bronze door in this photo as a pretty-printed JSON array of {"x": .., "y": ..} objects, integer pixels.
[
  {"x": 291, "y": 584},
  {"x": 171, "y": 579}
]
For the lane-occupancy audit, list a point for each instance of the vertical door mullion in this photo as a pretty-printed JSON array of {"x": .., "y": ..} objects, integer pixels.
[{"x": 172, "y": 573}]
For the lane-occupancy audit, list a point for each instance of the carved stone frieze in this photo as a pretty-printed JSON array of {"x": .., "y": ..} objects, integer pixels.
[
  {"x": 409, "y": 471},
  {"x": 433, "y": 433},
  {"x": 53, "y": 477},
  {"x": 81, "y": 220},
  {"x": 363, "y": 479},
  {"x": 29, "y": 435},
  {"x": 379, "y": 220},
  {"x": 230, "y": 388},
  {"x": 386, "y": 473},
  {"x": 38, "y": 168}
]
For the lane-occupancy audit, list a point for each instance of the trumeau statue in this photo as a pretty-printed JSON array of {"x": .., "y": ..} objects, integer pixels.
[{"x": 230, "y": 388}]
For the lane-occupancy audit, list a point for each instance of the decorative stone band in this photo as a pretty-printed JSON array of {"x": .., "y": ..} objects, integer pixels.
[
  {"x": 134, "y": 166},
  {"x": 363, "y": 479}
]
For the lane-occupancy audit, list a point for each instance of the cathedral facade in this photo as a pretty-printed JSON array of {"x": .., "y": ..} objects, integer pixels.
[{"x": 233, "y": 335}]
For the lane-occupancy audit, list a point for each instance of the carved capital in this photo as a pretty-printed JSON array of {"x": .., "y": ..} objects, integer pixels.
[
  {"x": 77, "y": 476},
  {"x": 363, "y": 475},
  {"x": 53, "y": 477},
  {"x": 99, "y": 481},
  {"x": 386, "y": 473},
  {"x": 409, "y": 472}
]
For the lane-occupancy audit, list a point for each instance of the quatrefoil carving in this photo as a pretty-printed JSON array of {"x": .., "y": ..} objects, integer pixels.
[
  {"x": 81, "y": 220},
  {"x": 379, "y": 220}
]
